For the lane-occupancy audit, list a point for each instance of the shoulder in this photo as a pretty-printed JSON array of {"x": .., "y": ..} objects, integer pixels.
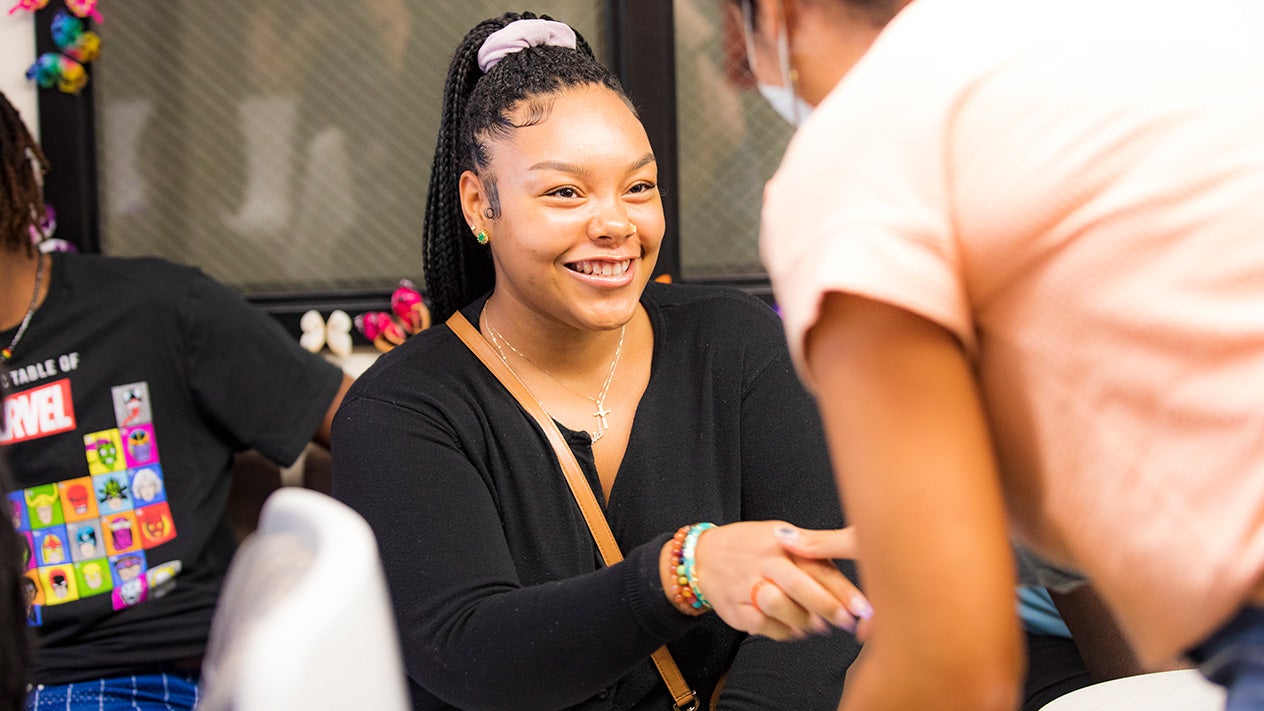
[
  {"x": 430, "y": 366},
  {"x": 104, "y": 267},
  {"x": 714, "y": 317},
  {"x": 707, "y": 304},
  {"x": 431, "y": 389},
  {"x": 94, "y": 286},
  {"x": 157, "y": 280},
  {"x": 908, "y": 85}
]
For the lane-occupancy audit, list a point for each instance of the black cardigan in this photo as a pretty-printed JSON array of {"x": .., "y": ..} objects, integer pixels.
[{"x": 499, "y": 592}]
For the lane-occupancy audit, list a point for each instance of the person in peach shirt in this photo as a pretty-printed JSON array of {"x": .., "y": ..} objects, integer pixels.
[{"x": 1017, "y": 247}]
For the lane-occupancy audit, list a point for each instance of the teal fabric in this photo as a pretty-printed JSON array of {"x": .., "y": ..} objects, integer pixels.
[{"x": 1038, "y": 613}]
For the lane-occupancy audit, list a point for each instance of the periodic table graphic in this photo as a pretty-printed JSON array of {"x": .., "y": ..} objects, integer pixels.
[{"x": 89, "y": 535}]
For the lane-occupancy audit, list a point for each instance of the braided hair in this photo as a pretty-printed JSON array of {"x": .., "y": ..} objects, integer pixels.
[
  {"x": 20, "y": 193},
  {"x": 478, "y": 108}
]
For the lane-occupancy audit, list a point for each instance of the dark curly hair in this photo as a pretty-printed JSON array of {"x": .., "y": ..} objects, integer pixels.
[
  {"x": 20, "y": 193},
  {"x": 478, "y": 108}
]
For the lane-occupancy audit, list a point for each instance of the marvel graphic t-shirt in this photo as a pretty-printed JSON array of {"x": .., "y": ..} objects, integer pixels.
[
  {"x": 123, "y": 404},
  {"x": 88, "y": 535}
]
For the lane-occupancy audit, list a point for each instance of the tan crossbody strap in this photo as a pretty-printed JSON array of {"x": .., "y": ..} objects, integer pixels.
[{"x": 684, "y": 697}]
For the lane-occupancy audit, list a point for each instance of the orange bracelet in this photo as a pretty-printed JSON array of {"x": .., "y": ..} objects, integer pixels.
[{"x": 684, "y": 596}]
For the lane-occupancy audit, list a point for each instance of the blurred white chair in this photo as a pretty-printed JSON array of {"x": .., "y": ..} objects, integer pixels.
[
  {"x": 304, "y": 620},
  {"x": 1180, "y": 690}
]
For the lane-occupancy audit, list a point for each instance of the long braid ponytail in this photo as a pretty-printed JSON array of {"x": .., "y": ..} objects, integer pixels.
[{"x": 455, "y": 271}]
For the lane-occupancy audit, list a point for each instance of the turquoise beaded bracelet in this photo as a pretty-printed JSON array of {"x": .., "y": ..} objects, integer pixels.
[
  {"x": 688, "y": 560},
  {"x": 685, "y": 594}
]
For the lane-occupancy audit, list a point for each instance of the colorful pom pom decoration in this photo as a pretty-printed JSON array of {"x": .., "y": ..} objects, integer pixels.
[
  {"x": 73, "y": 40},
  {"x": 29, "y": 5},
  {"x": 58, "y": 70},
  {"x": 77, "y": 45},
  {"x": 408, "y": 306},
  {"x": 85, "y": 8}
]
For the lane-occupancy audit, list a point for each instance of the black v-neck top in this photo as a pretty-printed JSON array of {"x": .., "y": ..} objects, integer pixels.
[{"x": 499, "y": 591}]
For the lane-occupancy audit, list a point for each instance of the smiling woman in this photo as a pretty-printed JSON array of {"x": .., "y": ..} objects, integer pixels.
[
  {"x": 543, "y": 225},
  {"x": 578, "y": 225}
]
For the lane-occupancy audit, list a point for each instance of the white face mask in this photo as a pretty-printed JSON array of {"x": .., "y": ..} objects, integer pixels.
[
  {"x": 783, "y": 99},
  {"x": 786, "y": 103}
]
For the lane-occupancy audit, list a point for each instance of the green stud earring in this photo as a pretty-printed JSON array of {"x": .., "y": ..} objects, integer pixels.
[{"x": 481, "y": 237}]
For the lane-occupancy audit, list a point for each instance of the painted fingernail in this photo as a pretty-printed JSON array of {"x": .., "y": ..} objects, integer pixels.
[
  {"x": 844, "y": 621},
  {"x": 861, "y": 607},
  {"x": 820, "y": 626},
  {"x": 786, "y": 533}
]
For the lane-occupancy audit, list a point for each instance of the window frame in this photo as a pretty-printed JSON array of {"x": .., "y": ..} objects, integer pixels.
[{"x": 640, "y": 35}]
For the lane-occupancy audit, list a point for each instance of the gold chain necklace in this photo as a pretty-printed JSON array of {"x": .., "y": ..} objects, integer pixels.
[
  {"x": 601, "y": 412},
  {"x": 7, "y": 352}
]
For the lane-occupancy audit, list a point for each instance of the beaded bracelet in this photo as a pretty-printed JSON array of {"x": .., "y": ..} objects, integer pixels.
[
  {"x": 681, "y": 595},
  {"x": 686, "y": 596}
]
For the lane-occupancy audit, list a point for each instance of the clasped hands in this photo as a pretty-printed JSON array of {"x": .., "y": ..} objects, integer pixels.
[{"x": 776, "y": 580}]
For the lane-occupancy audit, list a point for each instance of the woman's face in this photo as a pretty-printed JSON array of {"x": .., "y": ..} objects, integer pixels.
[{"x": 581, "y": 218}]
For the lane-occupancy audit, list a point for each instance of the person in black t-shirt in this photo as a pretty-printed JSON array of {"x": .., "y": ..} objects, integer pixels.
[
  {"x": 129, "y": 383},
  {"x": 679, "y": 403}
]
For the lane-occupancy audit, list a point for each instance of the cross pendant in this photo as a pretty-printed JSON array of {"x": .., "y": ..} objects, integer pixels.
[{"x": 601, "y": 415}]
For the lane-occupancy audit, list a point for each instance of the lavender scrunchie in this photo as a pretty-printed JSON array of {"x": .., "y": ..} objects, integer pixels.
[{"x": 520, "y": 34}]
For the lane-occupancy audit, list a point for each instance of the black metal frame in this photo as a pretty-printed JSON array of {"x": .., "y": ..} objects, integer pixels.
[
  {"x": 641, "y": 37},
  {"x": 642, "y": 53},
  {"x": 68, "y": 127}
]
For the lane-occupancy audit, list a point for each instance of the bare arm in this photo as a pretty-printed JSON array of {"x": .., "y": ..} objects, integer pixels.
[
  {"x": 322, "y": 433},
  {"x": 913, "y": 458}
]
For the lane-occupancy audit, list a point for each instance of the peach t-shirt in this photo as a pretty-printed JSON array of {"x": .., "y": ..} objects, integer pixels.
[{"x": 1076, "y": 190}]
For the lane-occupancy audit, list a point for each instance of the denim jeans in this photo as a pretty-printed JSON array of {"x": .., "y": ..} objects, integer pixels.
[
  {"x": 1233, "y": 657},
  {"x": 146, "y": 692}
]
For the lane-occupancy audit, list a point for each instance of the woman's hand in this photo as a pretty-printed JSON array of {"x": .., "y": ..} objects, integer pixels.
[
  {"x": 756, "y": 585},
  {"x": 832, "y": 544}
]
